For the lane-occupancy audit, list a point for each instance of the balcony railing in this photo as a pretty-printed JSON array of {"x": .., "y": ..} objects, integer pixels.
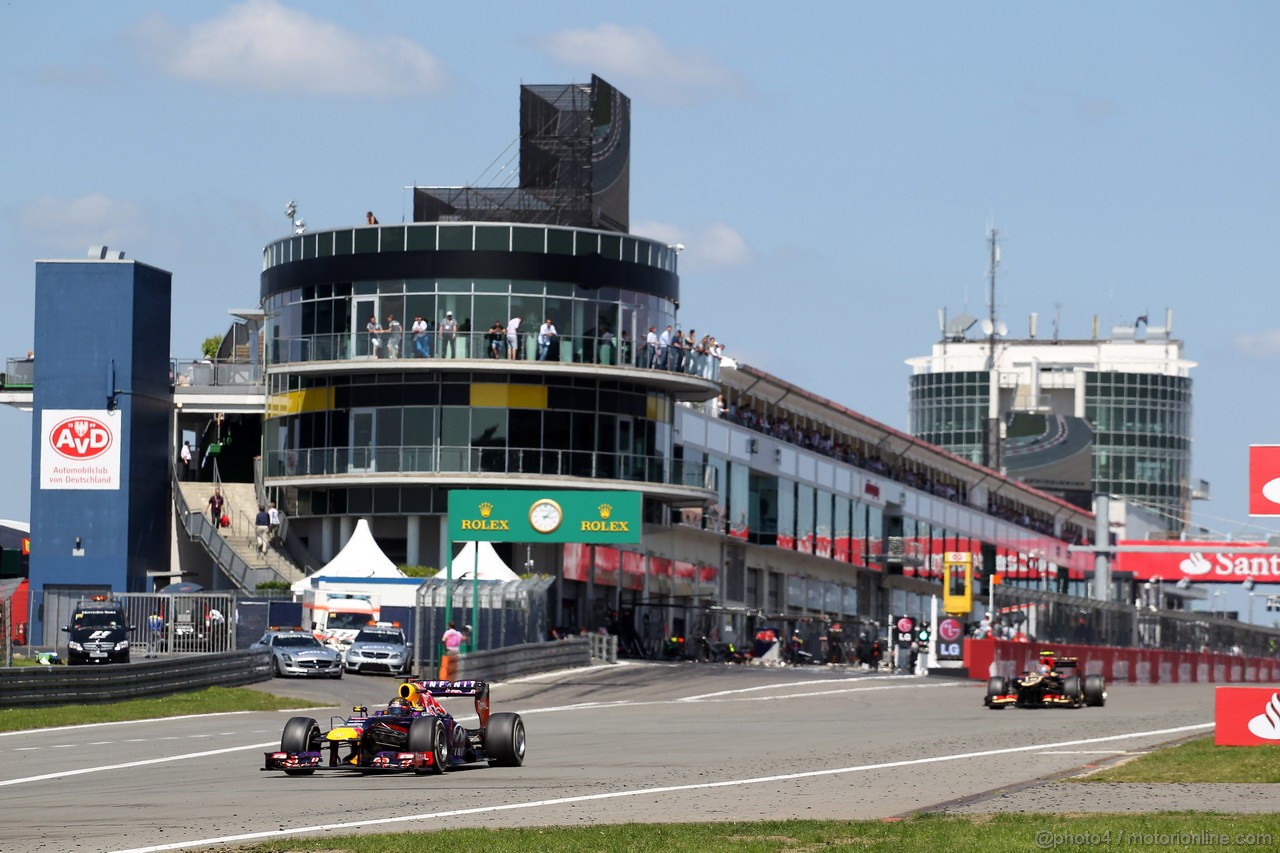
[
  {"x": 19, "y": 374},
  {"x": 431, "y": 459},
  {"x": 205, "y": 373},
  {"x": 578, "y": 349}
]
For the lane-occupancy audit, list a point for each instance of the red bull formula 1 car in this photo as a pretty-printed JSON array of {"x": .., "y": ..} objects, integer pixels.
[
  {"x": 413, "y": 733},
  {"x": 1056, "y": 683}
]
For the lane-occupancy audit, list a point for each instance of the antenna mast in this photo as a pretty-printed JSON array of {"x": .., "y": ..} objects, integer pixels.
[
  {"x": 991, "y": 300},
  {"x": 990, "y": 449}
]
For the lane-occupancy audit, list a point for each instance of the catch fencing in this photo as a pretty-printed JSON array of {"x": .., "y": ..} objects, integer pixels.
[
  {"x": 159, "y": 623},
  {"x": 509, "y": 613}
]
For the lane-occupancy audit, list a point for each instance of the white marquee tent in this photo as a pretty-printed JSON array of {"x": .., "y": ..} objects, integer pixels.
[
  {"x": 359, "y": 558},
  {"x": 491, "y": 566}
]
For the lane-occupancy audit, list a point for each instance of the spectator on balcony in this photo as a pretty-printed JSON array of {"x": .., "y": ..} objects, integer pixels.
[
  {"x": 546, "y": 333},
  {"x": 676, "y": 353},
  {"x": 651, "y": 347},
  {"x": 374, "y": 328},
  {"x": 513, "y": 336},
  {"x": 624, "y": 348},
  {"x": 448, "y": 335},
  {"x": 185, "y": 456},
  {"x": 494, "y": 337},
  {"x": 421, "y": 340},
  {"x": 664, "y": 348},
  {"x": 394, "y": 335},
  {"x": 370, "y": 218}
]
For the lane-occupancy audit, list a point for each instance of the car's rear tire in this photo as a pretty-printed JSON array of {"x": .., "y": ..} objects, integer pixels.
[
  {"x": 1095, "y": 691},
  {"x": 299, "y": 735},
  {"x": 1071, "y": 687},
  {"x": 997, "y": 685},
  {"x": 504, "y": 740},
  {"x": 426, "y": 734}
]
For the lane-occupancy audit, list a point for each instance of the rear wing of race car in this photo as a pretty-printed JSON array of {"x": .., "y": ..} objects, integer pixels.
[
  {"x": 1067, "y": 663},
  {"x": 413, "y": 690}
]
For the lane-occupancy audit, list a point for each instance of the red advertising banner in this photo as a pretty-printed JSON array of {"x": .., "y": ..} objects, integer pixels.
[
  {"x": 577, "y": 561},
  {"x": 1264, "y": 479},
  {"x": 1202, "y": 562},
  {"x": 606, "y": 567},
  {"x": 632, "y": 570},
  {"x": 1246, "y": 716}
]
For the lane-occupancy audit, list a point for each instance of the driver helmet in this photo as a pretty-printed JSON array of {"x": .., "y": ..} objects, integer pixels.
[
  {"x": 1047, "y": 659},
  {"x": 399, "y": 707}
]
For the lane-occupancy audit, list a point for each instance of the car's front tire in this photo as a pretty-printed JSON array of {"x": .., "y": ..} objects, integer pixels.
[
  {"x": 1071, "y": 687},
  {"x": 300, "y": 733},
  {"x": 426, "y": 734},
  {"x": 504, "y": 740},
  {"x": 996, "y": 686},
  {"x": 1095, "y": 691}
]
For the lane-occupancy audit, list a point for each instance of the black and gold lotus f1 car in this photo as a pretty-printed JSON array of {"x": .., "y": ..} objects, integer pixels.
[{"x": 1055, "y": 683}]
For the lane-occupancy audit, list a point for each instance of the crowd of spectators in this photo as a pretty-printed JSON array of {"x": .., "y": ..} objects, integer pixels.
[
  {"x": 1020, "y": 514},
  {"x": 863, "y": 455},
  {"x": 683, "y": 352}
]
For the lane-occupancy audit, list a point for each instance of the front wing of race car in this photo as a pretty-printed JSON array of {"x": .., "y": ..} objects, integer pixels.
[{"x": 297, "y": 763}]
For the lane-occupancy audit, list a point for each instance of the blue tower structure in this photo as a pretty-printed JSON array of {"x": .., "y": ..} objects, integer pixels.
[{"x": 100, "y": 437}]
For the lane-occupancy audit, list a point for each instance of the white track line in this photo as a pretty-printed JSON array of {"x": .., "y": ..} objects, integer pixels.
[{"x": 560, "y": 801}]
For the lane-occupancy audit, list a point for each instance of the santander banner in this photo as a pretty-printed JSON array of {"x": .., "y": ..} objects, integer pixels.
[
  {"x": 1226, "y": 562},
  {"x": 1264, "y": 479},
  {"x": 1246, "y": 716},
  {"x": 79, "y": 449}
]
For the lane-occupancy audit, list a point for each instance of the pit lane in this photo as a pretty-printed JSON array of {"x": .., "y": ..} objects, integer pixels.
[{"x": 634, "y": 742}]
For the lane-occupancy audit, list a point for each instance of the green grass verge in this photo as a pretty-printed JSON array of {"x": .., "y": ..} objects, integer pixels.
[
  {"x": 954, "y": 834},
  {"x": 1197, "y": 760},
  {"x": 211, "y": 700}
]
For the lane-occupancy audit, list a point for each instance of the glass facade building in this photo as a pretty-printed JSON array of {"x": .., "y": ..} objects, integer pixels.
[{"x": 1134, "y": 393}]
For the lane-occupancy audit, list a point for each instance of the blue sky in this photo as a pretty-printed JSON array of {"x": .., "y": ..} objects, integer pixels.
[{"x": 832, "y": 168}]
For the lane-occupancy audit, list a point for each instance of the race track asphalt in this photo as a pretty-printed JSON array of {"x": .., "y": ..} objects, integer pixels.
[{"x": 647, "y": 742}]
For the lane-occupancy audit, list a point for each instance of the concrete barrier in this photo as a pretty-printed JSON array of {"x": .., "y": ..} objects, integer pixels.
[{"x": 514, "y": 661}]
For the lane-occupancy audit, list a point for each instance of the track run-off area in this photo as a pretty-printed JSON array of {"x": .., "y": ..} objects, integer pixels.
[{"x": 646, "y": 742}]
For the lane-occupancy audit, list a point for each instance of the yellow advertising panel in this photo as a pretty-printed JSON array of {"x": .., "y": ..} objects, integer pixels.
[{"x": 957, "y": 583}]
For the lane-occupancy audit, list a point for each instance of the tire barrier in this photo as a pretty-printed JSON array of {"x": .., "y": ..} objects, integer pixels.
[{"x": 35, "y": 686}]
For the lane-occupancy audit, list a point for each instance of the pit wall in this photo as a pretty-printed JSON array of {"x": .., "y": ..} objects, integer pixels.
[{"x": 985, "y": 658}]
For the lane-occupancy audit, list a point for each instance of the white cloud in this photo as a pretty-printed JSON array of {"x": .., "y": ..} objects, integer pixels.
[
  {"x": 261, "y": 45},
  {"x": 66, "y": 228},
  {"x": 1262, "y": 345},
  {"x": 709, "y": 244},
  {"x": 642, "y": 65}
]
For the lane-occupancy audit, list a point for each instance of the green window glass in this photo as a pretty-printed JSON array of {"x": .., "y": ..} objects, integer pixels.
[
  {"x": 421, "y": 238},
  {"x": 456, "y": 237},
  {"x": 493, "y": 239},
  {"x": 528, "y": 239}
]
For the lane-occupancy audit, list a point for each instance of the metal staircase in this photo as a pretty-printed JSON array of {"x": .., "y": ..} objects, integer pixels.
[{"x": 234, "y": 548}]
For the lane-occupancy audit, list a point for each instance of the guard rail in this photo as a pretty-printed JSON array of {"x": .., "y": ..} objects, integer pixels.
[
  {"x": 513, "y": 661},
  {"x": 35, "y": 686}
]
